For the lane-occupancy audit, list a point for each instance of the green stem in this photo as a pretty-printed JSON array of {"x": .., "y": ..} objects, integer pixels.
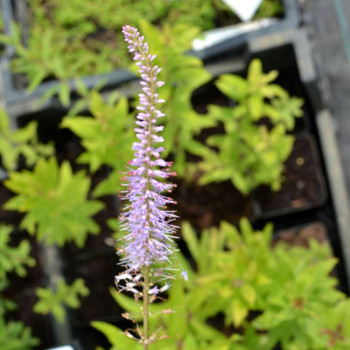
[{"x": 145, "y": 273}]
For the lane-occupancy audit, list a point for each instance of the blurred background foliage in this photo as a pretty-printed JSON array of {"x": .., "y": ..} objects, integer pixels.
[{"x": 243, "y": 291}]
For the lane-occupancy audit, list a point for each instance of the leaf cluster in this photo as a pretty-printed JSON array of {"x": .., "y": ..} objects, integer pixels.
[
  {"x": 22, "y": 142},
  {"x": 55, "y": 202},
  {"x": 13, "y": 335},
  {"x": 13, "y": 258},
  {"x": 281, "y": 296},
  {"x": 71, "y": 38},
  {"x": 107, "y": 137},
  {"x": 256, "y": 142},
  {"x": 65, "y": 295},
  {"x": 16, "y": 336}
]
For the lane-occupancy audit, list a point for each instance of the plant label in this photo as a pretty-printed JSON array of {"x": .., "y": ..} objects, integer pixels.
[{"x": 244, "y": 9}]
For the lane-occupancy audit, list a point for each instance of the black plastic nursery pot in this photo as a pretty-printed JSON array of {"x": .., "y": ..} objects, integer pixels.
[{"x": 18, "y": 101}]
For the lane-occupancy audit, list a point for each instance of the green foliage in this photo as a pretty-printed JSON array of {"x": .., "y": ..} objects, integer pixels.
[
  {"x": 256, "y": 141},
  {"x": 64, "y": 295},
  {"x": 335, "y": 325},
  {"x": 269, "y": 8},
  {"x": 22, "y": 142},
  {"x": 182, "y": 74},
  {"x": 13, "y": 258},
  {"x": 55, "y": 201},
  {"x": 290, "y": 316},
  {"x": 107, "y": 138},
  {"x": 233, "y": 283},
  {"x": 116, "y": 337},
  {"x": 50, "y": 53},
  {"x": 280, "y": 296},
  {"x": 15, "y": 336},
  {"x": 71, "y": 38}
]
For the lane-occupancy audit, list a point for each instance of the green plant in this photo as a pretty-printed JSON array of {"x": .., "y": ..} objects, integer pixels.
[
  {"x": 55, "y": 202},
  {"x": 21, "y": 142},
  {"x": 300, "y": 291},
  {"x": 281, "y": 296},
  {"x": 54, "y": 301},
  {"x": 256, "y": 141},
  {"x": 74, "y": 38},
  {"x": 270, "y": 8},
  {"x": 16, "y": 336},
  {"x": 13, "y": 335},
  {"x": 107, "y": 137},
  {"x": 13, "y": 258}
]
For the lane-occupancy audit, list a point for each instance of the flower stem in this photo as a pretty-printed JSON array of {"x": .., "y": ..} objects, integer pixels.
[{"x": 145, "y": 273}]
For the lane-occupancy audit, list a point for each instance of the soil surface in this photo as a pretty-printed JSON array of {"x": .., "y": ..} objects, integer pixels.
[
  {"x": 206, "y": 206},
  {"x": 301, "y": 236},
  {"x": 304, "y": 184}
]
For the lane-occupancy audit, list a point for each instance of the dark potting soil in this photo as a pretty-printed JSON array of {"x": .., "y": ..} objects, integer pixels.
[
  {"x": 98, "y": 273},
  {"x": 206, "y": 206},
  {"x": 301, "y": 236},
  {"x": 304, "y": 185}
]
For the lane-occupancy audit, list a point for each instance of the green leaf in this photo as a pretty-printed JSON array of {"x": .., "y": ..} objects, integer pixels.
[
  {"x": 16, "y": 336},
  {"x": 239, "y": 312},
  {"x": 4, "y": 122},
  {"x": 55, "y": 202},
  {"x": 118, "y": 339},
  {"x": 255, "y": 105},
  {"x": 64, "y": 93},
  {"x": 233, "y": 86},
  {"x": 107, "y": 137},
  {"x": 20, "y": 142},
  {"x": 50, "y": 301},
  {"x": 13, "y": 258},
  {"x": 191, "y": 239}
]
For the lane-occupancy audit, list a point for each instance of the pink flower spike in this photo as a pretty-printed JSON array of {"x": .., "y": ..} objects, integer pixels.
[{"x": 145, "y": 220}]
